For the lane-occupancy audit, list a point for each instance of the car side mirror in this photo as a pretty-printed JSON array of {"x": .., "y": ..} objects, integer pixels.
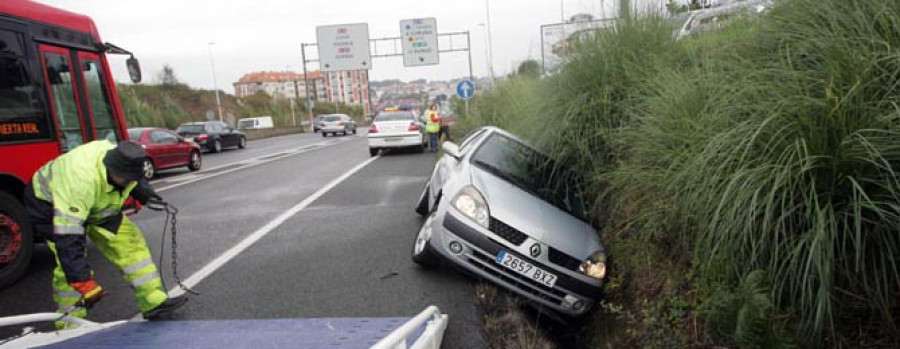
[{"x": 452, "y": 150}]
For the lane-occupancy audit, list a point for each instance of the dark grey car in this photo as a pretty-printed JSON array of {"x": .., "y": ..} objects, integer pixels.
[
  {"x": 499, "y": 209},
  {"x": 213, "y": 135}
]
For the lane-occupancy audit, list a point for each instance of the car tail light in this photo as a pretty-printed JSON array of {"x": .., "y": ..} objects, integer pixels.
[
  {"x": 203, "y": 137},
  {"x": 373, "y": 129},
  {"x": 413, "y": 127},
  {"x": 341, "y": 123}
]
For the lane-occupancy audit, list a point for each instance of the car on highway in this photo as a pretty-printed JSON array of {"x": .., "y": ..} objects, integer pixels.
[
  {"x": 337, "y": 123},
  {"x": 213, "y": 135},
  {"x": 396, "y": 129},
  {"x": 165, "y": 150},
  {"x": 501, "y": 210},
  {"x": 317, "y": 123}
]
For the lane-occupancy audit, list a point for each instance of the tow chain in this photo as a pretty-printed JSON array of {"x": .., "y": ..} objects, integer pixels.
[{"x": 171, "y": 215}]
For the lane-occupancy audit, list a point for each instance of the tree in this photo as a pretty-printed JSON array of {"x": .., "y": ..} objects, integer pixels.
[
  {"x": 167, "y": 77},
  {"x": 530, "y": 69}
]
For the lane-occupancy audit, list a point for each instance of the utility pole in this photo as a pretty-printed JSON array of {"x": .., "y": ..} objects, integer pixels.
[{"x": 624, "y": 9}]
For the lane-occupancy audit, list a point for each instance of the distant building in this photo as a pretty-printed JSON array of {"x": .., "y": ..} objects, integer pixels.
[
  {"x": 286, "y": 85},
  {"x": 348, "y": 87}
]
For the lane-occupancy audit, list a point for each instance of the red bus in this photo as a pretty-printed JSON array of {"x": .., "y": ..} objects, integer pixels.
[{"x": 56, "y": 92}]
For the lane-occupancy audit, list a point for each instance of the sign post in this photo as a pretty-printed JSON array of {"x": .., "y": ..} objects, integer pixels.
[
  {"x": 419, "y": 41},
  {"x": 465, "y": 90}
]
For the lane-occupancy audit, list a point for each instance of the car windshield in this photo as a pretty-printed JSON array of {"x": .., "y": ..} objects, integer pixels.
[
  {"x": 532, "y": 171},
  {"x": 135, "y": 134},
  {"x": 245, "y": 123},
  {"x": 190, "y": 129},
  {"x": 332, "y": 118},
  {"x": 395, "y": 116}
]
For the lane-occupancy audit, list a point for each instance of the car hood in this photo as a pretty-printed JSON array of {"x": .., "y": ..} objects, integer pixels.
[{"x": 535, "y": 217}]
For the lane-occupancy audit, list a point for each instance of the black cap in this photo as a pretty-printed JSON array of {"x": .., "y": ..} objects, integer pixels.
[{"x": 126, "y": 160}]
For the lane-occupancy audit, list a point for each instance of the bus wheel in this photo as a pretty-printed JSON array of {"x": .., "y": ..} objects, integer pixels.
[{"x": 16, "y": 240}]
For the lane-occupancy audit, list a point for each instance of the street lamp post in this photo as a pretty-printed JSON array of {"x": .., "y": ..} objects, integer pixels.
[
  {"x": 487, "y": 58},
  {"x": 487, "y": 10},
  {"x": 215, "y": 83}
]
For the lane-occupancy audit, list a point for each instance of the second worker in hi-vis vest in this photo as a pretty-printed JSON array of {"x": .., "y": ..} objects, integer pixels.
[{"x": 81, "y": 194}]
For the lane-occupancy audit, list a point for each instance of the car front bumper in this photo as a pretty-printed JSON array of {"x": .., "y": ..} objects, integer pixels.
[
  {"x": 479, "y": 254},
  {"x": 399, "y": 141}
]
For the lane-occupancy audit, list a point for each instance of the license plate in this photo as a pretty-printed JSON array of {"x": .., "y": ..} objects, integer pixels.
[
  {"x": 526, "y": 269},
  {"x": 393, "y": 139}
]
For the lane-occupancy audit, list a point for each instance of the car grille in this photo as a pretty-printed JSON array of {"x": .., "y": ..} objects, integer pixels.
[
  {"x": 506, "y": 232},
  {"x": 488, "y": 264},
  {"x": 561, "y": 259}
]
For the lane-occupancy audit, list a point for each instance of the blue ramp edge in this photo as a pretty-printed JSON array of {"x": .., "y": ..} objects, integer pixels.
[{"x": 256, "y": 334}]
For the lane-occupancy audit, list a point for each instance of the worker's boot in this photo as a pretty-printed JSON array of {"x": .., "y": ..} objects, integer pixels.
[{"x": 165, "y": 308}]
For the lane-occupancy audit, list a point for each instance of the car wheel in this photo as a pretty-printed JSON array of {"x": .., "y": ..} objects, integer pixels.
[
  {"x": 195, "y": 162},
  {"x": 422, "y": 207},
  {"x": 373, "y": 151},
  {"x": 354, "y": 130},
  {"x": 217, "y": 146},
  {"x": 324, "y": 134},
  {"x": 243, "y": 143},
  {"x": 422, "y": 253},
  {"x": 16, "y": 240},
  {"x": 149, "y": 169}
]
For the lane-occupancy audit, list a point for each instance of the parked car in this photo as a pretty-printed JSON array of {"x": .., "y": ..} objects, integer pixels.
[
  {"x": 213, "y": 135},
  {"x": 503, "y": 211},
  {"x": 396, "y": 129},
  {"x": 257, "y": 123},
  {"x": 337, "y": 123},
  {"x": 165, "y": 150},
  {"x": 317, "y": 123}
]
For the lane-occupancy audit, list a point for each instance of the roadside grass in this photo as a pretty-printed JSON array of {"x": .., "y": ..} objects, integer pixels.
[{"x": 745, "y": 179}]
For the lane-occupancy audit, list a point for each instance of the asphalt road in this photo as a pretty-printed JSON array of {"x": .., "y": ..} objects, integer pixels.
[{"x": 341, "y": 249}]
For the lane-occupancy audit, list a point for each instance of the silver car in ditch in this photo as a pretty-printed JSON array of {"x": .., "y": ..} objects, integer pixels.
[{"x": 500, "y": 209}]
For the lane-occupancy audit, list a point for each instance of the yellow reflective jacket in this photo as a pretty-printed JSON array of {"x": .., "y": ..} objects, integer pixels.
[{"x": 434, "y": 122}]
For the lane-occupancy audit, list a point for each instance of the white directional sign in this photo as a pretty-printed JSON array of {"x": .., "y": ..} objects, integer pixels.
[
  {"x": 344, "y": 47},
  {"x": 420, "y": 42}
]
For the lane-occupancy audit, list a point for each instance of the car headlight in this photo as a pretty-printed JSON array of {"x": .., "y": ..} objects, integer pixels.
[
  {"x": 594, "y": 266},
  {"x": 472, "y": 204}
]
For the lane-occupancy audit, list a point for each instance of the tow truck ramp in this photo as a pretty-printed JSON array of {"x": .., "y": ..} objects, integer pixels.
[{"x": 424, "y": 331}]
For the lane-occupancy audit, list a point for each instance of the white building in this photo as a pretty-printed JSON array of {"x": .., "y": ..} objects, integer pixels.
[
  {"x": 348, "y": 87},
  {"x": 287, "y": 85}
]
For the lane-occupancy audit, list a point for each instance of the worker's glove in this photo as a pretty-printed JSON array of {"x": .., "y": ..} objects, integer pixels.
[
  {"x": 144, "y": 192},
  {"x": 91, "y": 292}
]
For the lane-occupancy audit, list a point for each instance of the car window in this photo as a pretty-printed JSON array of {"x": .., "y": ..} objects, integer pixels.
[
  {"x": 190, "y": 129},
  {"x": 332, "y": 118},
  {"x": 533, "y": 172},
  {"x": 395, "y": 116},
  {"x": 135, "y": 135},
  {"x": 162, "y": 137}
]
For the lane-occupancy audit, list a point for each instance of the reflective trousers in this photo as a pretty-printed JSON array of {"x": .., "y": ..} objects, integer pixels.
[{"x": 128, "y": 251}]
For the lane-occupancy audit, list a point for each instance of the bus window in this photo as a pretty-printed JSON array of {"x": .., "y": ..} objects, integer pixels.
[
  {"x": 62, "y": 94},
  {"x": 99, "y": 103},
  {"x": 20, "y": 113}
]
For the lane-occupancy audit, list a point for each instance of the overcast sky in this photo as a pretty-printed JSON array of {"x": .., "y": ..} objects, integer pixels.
[{"x": 265, "y": 35}]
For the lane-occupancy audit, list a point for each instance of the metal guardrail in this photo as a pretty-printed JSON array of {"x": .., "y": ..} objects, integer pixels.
[{"x": 435, "y": 325}]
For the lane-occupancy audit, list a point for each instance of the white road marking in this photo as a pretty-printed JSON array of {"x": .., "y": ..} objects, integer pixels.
[
  {"x": 233, "y": 252},
  {"x": 243, "y": 164}
]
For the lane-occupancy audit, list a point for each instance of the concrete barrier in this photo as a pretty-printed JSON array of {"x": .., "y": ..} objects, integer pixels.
[{"x": 272, "y": 132}]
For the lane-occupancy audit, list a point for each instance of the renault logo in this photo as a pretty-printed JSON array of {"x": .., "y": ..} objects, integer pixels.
[{"x": 535, "y": 250}]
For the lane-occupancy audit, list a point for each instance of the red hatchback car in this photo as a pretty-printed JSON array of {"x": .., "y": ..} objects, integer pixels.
[{"x": 165, "y": 149}]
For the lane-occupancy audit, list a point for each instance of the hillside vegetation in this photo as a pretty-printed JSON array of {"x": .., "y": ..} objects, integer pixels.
[
  {"x": 745, "y": 179},
  {"x": 167, "y": 103}
]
